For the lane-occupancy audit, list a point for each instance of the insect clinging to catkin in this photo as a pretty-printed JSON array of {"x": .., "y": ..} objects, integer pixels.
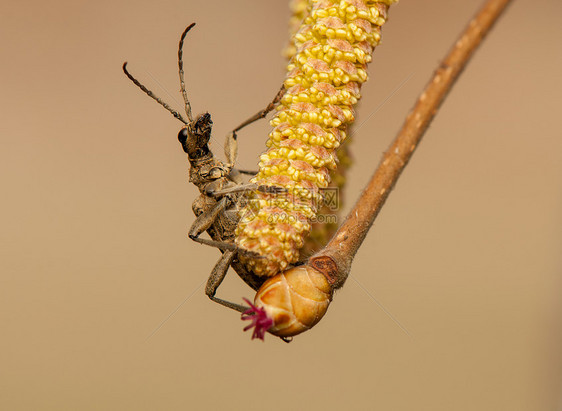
[
  {"x": 261, "y": 225},
  {"x": 220, "y": 184}
]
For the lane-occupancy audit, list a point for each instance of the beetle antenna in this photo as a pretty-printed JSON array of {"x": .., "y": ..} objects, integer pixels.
[
  {"x": 180, "y": 64},
  {"x": 151, "y": 94}
]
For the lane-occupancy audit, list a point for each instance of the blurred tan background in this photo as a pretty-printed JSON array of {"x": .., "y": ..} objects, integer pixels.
[{"x": 465, "y": 257}]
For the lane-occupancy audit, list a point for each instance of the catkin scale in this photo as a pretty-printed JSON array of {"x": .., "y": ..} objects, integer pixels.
[{"x": 333, "y": 46}]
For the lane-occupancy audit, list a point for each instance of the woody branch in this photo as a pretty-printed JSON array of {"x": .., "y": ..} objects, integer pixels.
[{"x": 335, "y": 259}]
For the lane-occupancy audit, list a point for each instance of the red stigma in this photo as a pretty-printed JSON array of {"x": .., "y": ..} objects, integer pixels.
[{"x": 260, "y": 321}]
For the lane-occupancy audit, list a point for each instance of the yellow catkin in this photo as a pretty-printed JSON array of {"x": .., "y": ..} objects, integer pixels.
[
  {"x": 333, "y": 46},
  {"x": 299, "y": 10},
  {"x": 325, "y": 224}
]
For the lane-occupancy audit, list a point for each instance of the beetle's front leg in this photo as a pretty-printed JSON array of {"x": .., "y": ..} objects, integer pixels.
[
  {"x": 215, "y": 280},
  {"x": 247, "y": 187},
  {"x": 206, "y": 220},
  {"x": 231, "y": 143}
]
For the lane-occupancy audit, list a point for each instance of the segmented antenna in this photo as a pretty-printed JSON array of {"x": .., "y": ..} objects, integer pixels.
[
  {"x": 180, "y": 64},
  {"x": 151, "y": 94}
]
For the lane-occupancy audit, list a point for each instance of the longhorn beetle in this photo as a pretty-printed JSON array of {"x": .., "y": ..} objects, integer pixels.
[{"x": 220, "y": 184}]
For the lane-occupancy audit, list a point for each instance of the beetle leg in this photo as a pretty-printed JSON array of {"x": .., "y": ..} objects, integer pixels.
[
  {"x": 227, "y": 246},
  {"x": 236, "y": 175},
  {"x": 231, "y": 143},
  {"x": 215, "y": 280},
  {"x": 234, "y": 189},
  {"x": 248, "y": 187},
  {"x": 249, "y": 172},
  {"x": 205, "y": 220},
  {"x": 221, "y": 245},
  {"x": 261, "y": 114}
]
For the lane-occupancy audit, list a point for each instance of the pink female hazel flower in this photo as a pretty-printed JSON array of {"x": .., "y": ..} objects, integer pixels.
[{"x": 259, "y": 320}]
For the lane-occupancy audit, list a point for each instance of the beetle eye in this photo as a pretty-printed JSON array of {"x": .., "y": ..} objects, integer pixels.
[{"x": 182, "y": 135}]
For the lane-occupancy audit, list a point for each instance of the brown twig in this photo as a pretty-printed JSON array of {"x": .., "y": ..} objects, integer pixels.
[{"x": 334, "y": 260}]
